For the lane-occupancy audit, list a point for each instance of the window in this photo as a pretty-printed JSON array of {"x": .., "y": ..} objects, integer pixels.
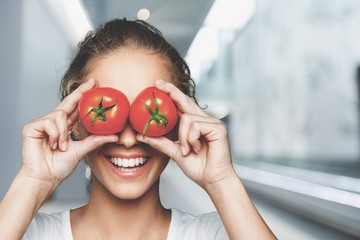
[{"x": 289, "y": 78}]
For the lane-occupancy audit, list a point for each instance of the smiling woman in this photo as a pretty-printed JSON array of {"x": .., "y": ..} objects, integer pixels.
[{"x": 128, "y": 56}]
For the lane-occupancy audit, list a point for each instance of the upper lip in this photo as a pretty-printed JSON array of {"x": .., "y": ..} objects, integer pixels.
[
  {"x": 131, "y": 162},
  {"x": 117, "y": 151},
  {"x": 130, "y": 155}
]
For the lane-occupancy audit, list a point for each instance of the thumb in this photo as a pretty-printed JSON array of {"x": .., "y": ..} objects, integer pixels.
[
  {"x": 90, "y": 143},
  {"x": 164, "y": 145}
]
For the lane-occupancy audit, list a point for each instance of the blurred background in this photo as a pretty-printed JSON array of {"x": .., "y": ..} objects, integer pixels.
[{"x": 283, "y": 75}]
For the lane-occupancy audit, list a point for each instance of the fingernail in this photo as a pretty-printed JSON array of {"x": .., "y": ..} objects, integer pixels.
[
  {"x": 54, "y": 146},
  {"x": 183, "y": 150},
  {"x": 159, "y": 81},
  {"x": 196, "y": 150},
  {"x": 91, "y": 82},
  {"x": 140, "y": 137},
  {"x": 116, "y": 138}
]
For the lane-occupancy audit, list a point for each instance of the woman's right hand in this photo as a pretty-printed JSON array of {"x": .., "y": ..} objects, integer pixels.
[{"x": 49, "y": 155}]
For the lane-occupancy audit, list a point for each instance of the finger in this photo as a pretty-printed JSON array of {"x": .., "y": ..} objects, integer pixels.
[
  {"x": 184, "y": 103},
  {"x": 202, "y": 131},
  {"x": 44, "y": 128},
  {"x": 185, "y": 128},
  {"x": 164, "y": 145},
  {"x": 72, "y": 118},
  {"x": 90, "y": 143},
  {"x": 69, "y": 104},
  {"x": 209, "y": 131},
  {"x": 184, "y": 125},
  {"x": 62, "y": 126},
  {"x": 194, "y": 136}
]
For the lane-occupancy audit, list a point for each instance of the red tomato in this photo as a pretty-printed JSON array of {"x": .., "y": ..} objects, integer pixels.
[
  {"x": 103, "y": 111},
  {"x": 153, "y": 113}
]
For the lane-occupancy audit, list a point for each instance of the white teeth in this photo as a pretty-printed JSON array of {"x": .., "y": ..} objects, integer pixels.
[
  {"x": 125, "y": 162},
  {"x": 128, "y": 170},
  {"x": 131, "y": 162},
  {"x": 128, "y": 162}
]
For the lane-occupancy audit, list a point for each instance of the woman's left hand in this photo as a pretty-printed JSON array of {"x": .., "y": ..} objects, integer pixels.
[{"x": 202, "y": 151}]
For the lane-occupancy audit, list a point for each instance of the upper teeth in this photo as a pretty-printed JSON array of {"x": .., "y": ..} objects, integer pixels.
[{"x": 128, "y": 162}]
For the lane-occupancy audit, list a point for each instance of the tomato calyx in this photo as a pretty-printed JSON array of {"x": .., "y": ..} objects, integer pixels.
[
  {"x": 99, "y": 112},
  {"x": 159, "y": 118}
]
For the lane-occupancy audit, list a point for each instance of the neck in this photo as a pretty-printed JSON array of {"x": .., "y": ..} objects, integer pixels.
[
  {"x": 125, "y": 215},
  {"x": 101, "y": 200}
]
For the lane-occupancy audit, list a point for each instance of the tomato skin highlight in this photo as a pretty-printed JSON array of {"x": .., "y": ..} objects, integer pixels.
[
  {"x": 164, "y": 118},
  {"x": 103, "y": 110}
]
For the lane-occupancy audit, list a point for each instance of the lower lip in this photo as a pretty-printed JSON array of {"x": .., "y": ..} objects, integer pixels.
[{"x": 133, "y": 174}]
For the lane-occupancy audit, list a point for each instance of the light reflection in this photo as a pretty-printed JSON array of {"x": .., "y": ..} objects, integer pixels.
[
  {"x": 71, "y": 17},
  {"x": 299, "y": 186}
]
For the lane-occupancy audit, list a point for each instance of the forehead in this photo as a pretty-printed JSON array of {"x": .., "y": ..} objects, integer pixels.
[{"x": 129, "y": 71}]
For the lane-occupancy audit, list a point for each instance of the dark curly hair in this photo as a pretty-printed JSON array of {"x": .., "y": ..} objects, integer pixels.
[{"x": 123, "y": 33}]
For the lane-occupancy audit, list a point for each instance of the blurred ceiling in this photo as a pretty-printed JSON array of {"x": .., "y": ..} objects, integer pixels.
[{"x": 178, "y": 20}]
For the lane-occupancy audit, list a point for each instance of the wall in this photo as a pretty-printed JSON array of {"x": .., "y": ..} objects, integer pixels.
[
  {"x": 10, "y": 49},
  {"x": 34, "y": 56}
]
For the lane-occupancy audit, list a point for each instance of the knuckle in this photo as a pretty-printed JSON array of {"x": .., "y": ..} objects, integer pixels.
[
  {"x": 222, "y": 129},
  {"x": 155, "y": 143},
  {"x": 48, "y": 121},
  {"x": 51, "y": 126},
  {"x": 59, "y": 113},
  {"x": 97, "y": 140},
  {"x": 26, "y": 129},
  {"x": 195, "y": 126},
  {"x": 216, "y": 120},
  {"x": 187, "y": 100},
  {"x": 186, "y": 118},
  {"x": 66, "y": 100}
]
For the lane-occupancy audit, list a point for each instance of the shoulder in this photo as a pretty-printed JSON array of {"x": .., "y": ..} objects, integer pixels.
[
  {"x": 186, "y": 226},
  {"x": 49, "y": 226}
]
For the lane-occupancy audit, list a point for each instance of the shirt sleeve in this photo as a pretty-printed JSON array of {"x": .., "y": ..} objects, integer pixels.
[
  {"x": 207, "y": 226},
  {"x": 48, "y": 227},
  {"x": 212, "y": 227},
  {"x": 32, "y": 232}
]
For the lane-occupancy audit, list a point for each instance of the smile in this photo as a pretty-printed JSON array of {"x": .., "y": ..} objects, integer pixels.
[{"x": 128, "y": 165}]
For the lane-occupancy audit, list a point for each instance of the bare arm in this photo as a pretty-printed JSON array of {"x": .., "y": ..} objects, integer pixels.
[
  {"x": 239, "y": 215},
  {"x": 203, "y": 154},
  {"x": 48, "y": 157},
  {"x": 20, "y": 204}
]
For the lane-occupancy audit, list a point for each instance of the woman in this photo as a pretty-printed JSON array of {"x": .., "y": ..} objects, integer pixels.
[{"x": 128, "y": 56}]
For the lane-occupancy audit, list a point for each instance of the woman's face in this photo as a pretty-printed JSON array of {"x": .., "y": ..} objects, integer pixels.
[{"x": 129, "y": 71}]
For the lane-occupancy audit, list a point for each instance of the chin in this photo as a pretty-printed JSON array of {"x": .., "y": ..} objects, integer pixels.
[{"x": 135, "y": 191}]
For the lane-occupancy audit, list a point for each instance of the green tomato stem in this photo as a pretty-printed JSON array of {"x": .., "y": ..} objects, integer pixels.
[
  {"x": 99, "y": 112},
  {"x": 159, "y": 118}
]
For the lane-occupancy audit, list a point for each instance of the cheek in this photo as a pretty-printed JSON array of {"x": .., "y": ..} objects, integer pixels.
[
  {"x": 160, "y": 159},
  {"x": 96, "y": 163},
  {"x": 163, "y": 161}
]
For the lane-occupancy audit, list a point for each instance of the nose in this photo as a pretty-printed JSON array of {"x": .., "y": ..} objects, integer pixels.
[{"x": 127, "y": 137}]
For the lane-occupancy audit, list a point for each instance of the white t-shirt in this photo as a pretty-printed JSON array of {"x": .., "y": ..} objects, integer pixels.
[{"x": 57, "y": 226}]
